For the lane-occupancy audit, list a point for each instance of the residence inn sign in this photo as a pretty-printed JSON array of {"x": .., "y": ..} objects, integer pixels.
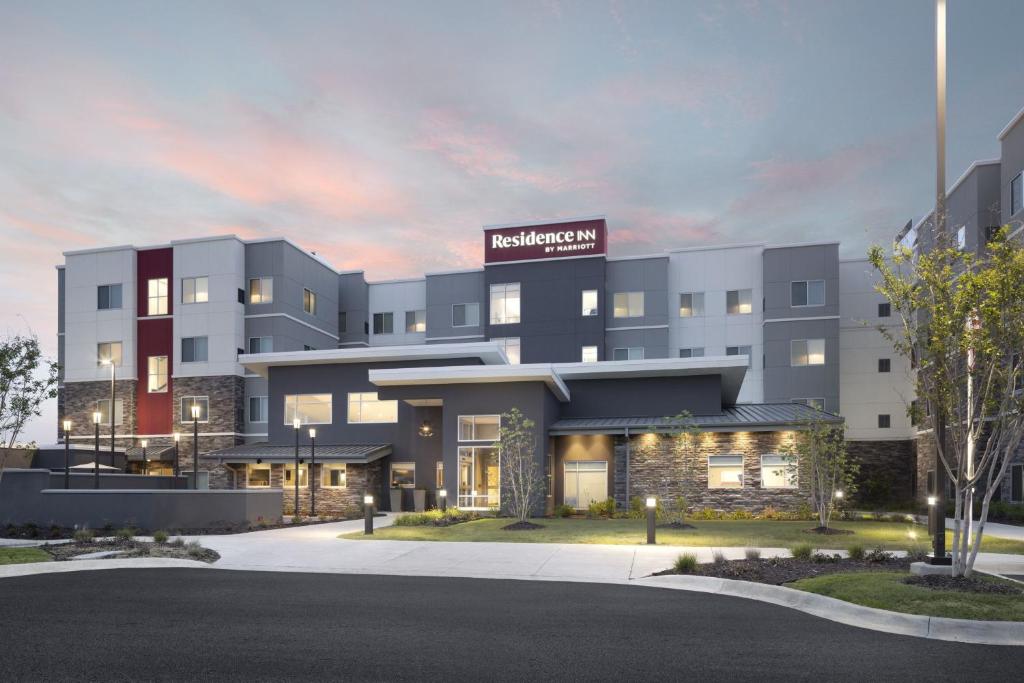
[{"x": 557, "y": 240}]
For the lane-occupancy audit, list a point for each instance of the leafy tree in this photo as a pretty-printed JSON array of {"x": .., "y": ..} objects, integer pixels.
[
  {"x": 22, "y": 388},
  {"x": 962, "y": 326},
  {"x": 819, "y": 451},
  {"x": 522, "y": 481}
]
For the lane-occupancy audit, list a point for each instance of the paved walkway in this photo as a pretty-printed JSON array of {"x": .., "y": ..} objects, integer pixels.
[{"x": 1010, "y": 531}]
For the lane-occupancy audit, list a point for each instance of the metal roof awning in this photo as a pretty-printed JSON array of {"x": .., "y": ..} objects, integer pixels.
[
  {"x": 264, "y": 452},
  {"x": 152, "y": 453},
  {"x": 743, "y": 417}
]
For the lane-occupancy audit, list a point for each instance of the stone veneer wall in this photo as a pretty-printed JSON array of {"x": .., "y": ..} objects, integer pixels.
[
  {"x": 80, "y": 403},
  {"x": 887, "y": 471},
  {"x": 347, "y": 501},
  {"x": 926, "y": 459}
]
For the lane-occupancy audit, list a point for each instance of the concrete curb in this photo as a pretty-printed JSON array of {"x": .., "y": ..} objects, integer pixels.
[{"x": 32, "y": 568}]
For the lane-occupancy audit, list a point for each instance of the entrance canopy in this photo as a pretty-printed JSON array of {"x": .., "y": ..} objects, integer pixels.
[
  {"x": 751, "y": 417},
  {"x": 264, "y": 452}
]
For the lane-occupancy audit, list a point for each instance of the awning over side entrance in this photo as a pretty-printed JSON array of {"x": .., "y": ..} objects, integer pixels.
[
  {"x": 349, "y": 453},
  {"x": 154, "y": 453},
  {"x": 738, "y": 418}
]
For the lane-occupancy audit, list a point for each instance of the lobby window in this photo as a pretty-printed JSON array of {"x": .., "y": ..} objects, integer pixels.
[
  {"x": 309, "y": 301},
  {"x": 258, "y": 406},
  {"x": 156, "y": 303},
  {"x": 628, "y": 305},
  {"x": 342, "y": 322},
  {"x": 807, "y": 293},
  {"x": 741, "y": 351},
  {"x": 479, "y": 477},
  {"x": 261, "y": 290},
  {"x": 884, "y": 310},
  {"x": 884, "y": 422},
  {"x": 186, "y": 408},
  {"x": 465, "y": 315},
  {"x": 257, "y": 476},
  {"x": 778, "y": 472},
  {"x": 103, "y": 408},
  {"x": 334, "y": 476},
  {"x": 479, "y": 427},
  {"x": 588, "y": 301},
  {"x": 311, "y": 409},
  {"x": 588, "y": 354},
  {"x": 383, "y": 323},
  {"x": 415, "y": 321},
  {"x": 403, "y": 475},
  {"x": 1016, "y": 187},
  {"x": 630, "y": 353},
  {"x": 816, "y": 403},
  {"x": 194, "y": 349},
  {"x": 366, "y": 408},
  {"x": 806, "y": 352},
  {"x": 884, "y": 365},
  {"x": 692, "y": 352},
  {"x": 505, "y": 303},
  {"x": 289, "y": 476},
  {"x": 107, "y": 352},
  {"x": 725, "y": 471},
  {"x": 511, "y": 347},
  {"x": 157, "y": 374},
  {"x": 108, "y": 297},
  {"x": 261, "y": 344},
  {"x": 195, "y": 290},
  {"x": 738, "y": 301},
  {"x": 691, "y": 304}
]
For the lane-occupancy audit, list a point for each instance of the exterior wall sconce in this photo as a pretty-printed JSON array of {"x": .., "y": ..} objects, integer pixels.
[{"x": 426, "y": 429}]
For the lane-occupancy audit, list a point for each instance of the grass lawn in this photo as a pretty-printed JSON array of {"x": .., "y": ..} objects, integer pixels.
[
  {"x": 720, "y": 533},
  {"x": 886, "y": 590},
  {"x": 23, "y": 555}
]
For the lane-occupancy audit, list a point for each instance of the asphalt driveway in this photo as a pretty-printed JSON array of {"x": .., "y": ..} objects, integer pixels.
[{"x": 177, "y": 624}]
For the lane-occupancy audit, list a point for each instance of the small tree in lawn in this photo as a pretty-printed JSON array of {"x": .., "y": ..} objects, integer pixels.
[
  {"x": 687, "y": 436},
  {"x": 820, "y": 454},
  {"x": 522, "y": 481},
  {"x": 23, "y": 388}
]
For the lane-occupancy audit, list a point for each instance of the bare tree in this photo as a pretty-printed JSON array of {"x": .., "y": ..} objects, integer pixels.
[{"x": 522, "y": 481}]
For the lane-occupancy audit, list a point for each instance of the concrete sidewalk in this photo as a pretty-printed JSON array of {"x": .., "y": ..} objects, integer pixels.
[{"x": 1008, "y": 531}]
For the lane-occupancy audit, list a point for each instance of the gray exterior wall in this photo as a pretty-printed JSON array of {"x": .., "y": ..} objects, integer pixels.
[
  {"x": 1012, "y": 158},
  {"x": 443, "y": 291},
  {"x": 644, "y": 397},
  {"x": 647, "y": 275},
  {"x": 353, "y": 299}
]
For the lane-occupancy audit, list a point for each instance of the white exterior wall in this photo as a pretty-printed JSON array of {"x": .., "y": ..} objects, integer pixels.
[
  {"x": 865, "y": 393},
  {"x": 222, "y": 318},
  {"x": 85, "y": 326},
  {"x": 398, "y": 297},
  {"x": 715, "y": 271}
]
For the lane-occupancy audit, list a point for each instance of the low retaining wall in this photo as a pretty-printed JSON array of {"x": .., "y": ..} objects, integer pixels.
[{"x": 28, "y": 496}]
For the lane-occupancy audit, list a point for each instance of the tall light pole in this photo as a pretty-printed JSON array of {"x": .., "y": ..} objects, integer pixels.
[
  {"x": 312, "y": 472},
  {"x": 195, "y": 445},
  {"x": 113, "y": 393},
  {"x": 145, "y": 463},
  {"x": 296, "y": 424},
  {"x": 177, "y": 461},
  {"x": 96, "y": 417},
  {"x": 67, "y": 454}
]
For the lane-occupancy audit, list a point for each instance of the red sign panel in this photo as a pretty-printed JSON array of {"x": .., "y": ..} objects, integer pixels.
[{"x": 554, "y": 240}]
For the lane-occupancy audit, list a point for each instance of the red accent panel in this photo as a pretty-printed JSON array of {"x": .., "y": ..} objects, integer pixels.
[
  {"x": 154, "y": 412},
  {"x": 557, "y": 240}
]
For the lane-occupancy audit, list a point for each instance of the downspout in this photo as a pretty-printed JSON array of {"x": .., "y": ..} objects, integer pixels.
[{"x": 626, "y": 432}]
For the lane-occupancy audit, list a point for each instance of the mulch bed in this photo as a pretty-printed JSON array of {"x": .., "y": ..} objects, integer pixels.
[
  {"x": 128, "y": 548},
  {"x": 965, "y": 585},
  {"x": 522, "y": 526},
  {"x": 778, "y": 571}
]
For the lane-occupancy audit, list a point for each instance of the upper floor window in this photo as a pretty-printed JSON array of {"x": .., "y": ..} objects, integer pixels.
[
  {"x": 194, "y": 349},
  {"x": 261, "y": 290},
  {"x": 505, "y": 303},
  {"x": 511, "y": 347},
  {"x": 738, "y": 301},
  {"x": 107, "y": 352},
  {"x": 884, "y": 310},
  {"x": 103, "y": 408},
  {"x": 261, "y": 344},
  {"x": 741, "y": 351},
  {"x": 415, "y": 321},
  {"x": 189, "y": 402},
  {"x": 108, "y": 297},
  {"x": 342, "y": 322},
  {"x": 807, "y": 352},
  {"x": 630, "y": 353},
  {"x": 588, "y": 354},
  {"x": 383, "y": 323},
  {"x": 691, "y": 304},
  {"x": 884, "y": 365},
  {"x": 258, "y": 406},
  {"x": 157, "y": 296},
  {"x": 588, "y": 301},
  {"x": 884, "y": 422},
  {"x": 365, "y": 407},
  {"x": 465, "y": 315},
  {"x": 157, "y": 374},
  {"x": 807, "y": 293},
  {"x": 195, "y": 290},
  {"x": 1016, "y": 188},
  {"x": 692, "y": 352},
  {"x": 628, "y": 305},
  {"x": 479, "y": 427},
  {"x": 309, "y": 301},
  {"x": 310, "y": 409}
]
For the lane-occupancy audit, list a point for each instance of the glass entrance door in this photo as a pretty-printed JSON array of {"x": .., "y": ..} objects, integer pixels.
[{"x": 479, "y": 477}]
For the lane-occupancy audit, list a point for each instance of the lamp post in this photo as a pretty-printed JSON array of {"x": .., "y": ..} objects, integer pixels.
[
  {"x": 368, "y": 515},
  {"x": 67, "y": 454},
  {"x": 177, "y": 466},
  {"x": 96, "y": 417},
  {"x": 113, "y": 393},
  {"x": 145, "y": 463},
  {"x": 652, "y": 508},
  {"x": 443, "y": 495},
  {"x": 296, "y": 423},
  {"x": 195, "y": 445},
  {"x": 312, "y": 472}
]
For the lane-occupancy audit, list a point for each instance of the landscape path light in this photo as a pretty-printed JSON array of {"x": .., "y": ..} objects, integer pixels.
[
  {"x": 937, "y": 528},
  {"x": 442, "y": 494},
  {"x": 67, "y": 454},
  {"x": 368, "y": 515},
  {"x": 312, "y": 472},
  {"x": 195, "y": 445},
  {"x": 652, "y": 509}
]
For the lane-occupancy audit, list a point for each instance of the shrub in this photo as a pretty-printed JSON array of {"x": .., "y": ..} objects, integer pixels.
[
  {"x": 125, "y": 534},
  {"x": 298, "y": 518},
  {"x": 855, "y": 551},
  {"x": 752, "y": 553},
  {"x": 708, "y": 513},
  {"x": 802, "y": 551},
  {"x": 605, "y": 508},
  {"x": 805, "y": 512},
  {"x": 917, "y": 553},
  {"x": 564, "y": 510},
  {"x": 160, "y": 537},
  {"x": 686, "y": 563},
  {"x": 740, "y": 514},
  {"x": 718, "y": 557},
  {"x": 638, "y": 508},
  {"x": 193, "y": 549},
  {"x": 878, "y": 554},
  {"x": 821, "y": 557},
  {"x": 84, "y": 536},
  {"x": 435, "y": 517},
  {"x": 178, "y": 542},
  {"x": 770, "y": 512}
]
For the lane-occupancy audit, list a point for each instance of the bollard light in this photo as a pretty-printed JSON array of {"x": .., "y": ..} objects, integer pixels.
[
  {"x": 839, "y": 494},
  {"x": 652, "y": 502},
  {"x": 368, "y": 515},
  {"x": 442, "y": 494},
  {"x": 652, "y": 509},
  {"x": 932, "y": 500}
]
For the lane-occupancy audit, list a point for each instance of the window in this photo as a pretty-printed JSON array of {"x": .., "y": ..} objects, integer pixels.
[
  {"x": 807, "y": 293},
  {"x": 194, "y": 349},
  {"x": 628, "y": 305},
  {"x": 691, "y": 304},
  {"x": 103, "y": 408},
  {"x": 258, "y": 406},
  {"x": 307, "y": 347},
  {"x": 342, "y": 322},
  {"x": 403, "y": 475},
  {"x": 157, "y": 374},
  {"x": 807, "y": 352},
  {"x": 884, "y": 422},
  {"x": 311, "y": 409},
  {"x": 257, "y": 476},
  {"x": 741, "y": 351},
  {"x": 186, "y": 408},
  {"x": 884, "y": 365},
  {"x": 334, "y": 476},
  {"x": 738, "y": 301},
  {"x": 884, "y": 310},
  {"x": 778, "y": 472},
  {"x": 505, "y": 303},
  {"x": 725, "y": 471},
  {"x": 588, "y": 354},
  {"x": 415, "y": 321},
  {"x": 289, "y": 476},
  {"x": 107, "y": 352},
  {"x": 479, "y": 427},
  {"x": 261, "y": 290},
  {"x": 1017, "y": 483},
  {"x": 309, "y": 301},
  {"x": 366, "y": 408},
  {"x": 157, "y": 296},
  {"x": 261, "y": 344},
  {"x": 108, "y": 297},
  {"x": 1015, "y": 194},
  {"x": 816, "y": 403},
  {"x": 511, "y": 347},
  {"x": 465, "y": 315},
  {"x": 241, "y": 295},
  {"x": 631, "y": 353},
  {"x": 195, "y": 290},
  {"x": 439, "y": 475},
  {"x": 692, "y": 352},
  {"x": 479, "y": 477},
  {"x": 383, "y": 323},
  {"x": 589, "y": 302}
]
